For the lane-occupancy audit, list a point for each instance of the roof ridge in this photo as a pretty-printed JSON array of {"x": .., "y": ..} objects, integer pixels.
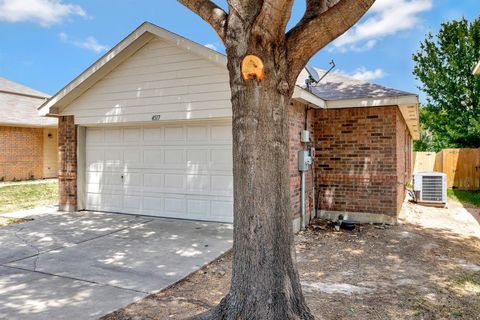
[{"x": 9, "y": 86}]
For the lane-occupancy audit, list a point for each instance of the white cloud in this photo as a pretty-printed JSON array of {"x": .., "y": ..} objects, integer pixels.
[
  {"x": 90, "y": 43},
  {"x": 43, "y": 12},
  {"x": 385, "y": 18},
  {"x": 211, "y": 46},
  {"x": 364, "y": 74}
]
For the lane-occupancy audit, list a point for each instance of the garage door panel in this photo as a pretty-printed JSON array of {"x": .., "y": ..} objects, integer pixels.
[
  {"x": 221, "y": 159},
  {"x": 153, "y": 205},
  {"x": 132, "y": 203},
  {"x": 197, "y": 157},
  {"x": 175, "y": 205},
  {"x": 174, "y": 182},
  {"x": 152, "y": 136},
  {"x": 174, "y": 158},
  {"x": 221, "y": 210},
  {"x": 174, "y": 170},
  {"x": 104, "y": 178},
  {"x": 132, "y": 135},
  {"x": 198, "y": 183},
  {"x": 174, "y": 135},
  {"x": 198, "y": 207},
  {"x": 105, "y": 202},
  {"x": 222, "y": 185},
  {"x": 113, "y": 136},
  {"x": 95, "y": 136},
  {"x": 153, "y": 158},
  {"x": 153, "y": 181},
  {"x": 133, "y": 157},
  {"x": 197, "y": 133},
  {"x": 134, "y": 179},
  {"x": 221, "y": 134}
]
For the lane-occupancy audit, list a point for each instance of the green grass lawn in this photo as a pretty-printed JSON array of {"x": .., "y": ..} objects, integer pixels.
[
  {"x": 27, "y": 196},
  {"x": 471, "y": 198}
]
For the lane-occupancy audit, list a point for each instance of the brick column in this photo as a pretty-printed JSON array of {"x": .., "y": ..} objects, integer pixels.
[{"x": 67, "y": 154}]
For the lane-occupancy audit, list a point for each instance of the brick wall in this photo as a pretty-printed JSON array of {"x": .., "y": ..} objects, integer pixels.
[
  {"x": 21, "y": 153},
  {"x": 296, "y": 125},
  {"x": 357, "y": 152},
  {"x": 67, "y": 174},
  {"x": 404, "y": 160}
]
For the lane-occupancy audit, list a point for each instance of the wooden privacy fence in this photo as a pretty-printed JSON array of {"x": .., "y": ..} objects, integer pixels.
[{"x": 462, "y": 166}]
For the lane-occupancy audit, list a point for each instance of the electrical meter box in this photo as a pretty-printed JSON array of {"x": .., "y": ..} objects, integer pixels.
[{"x": 304, "y": 160}]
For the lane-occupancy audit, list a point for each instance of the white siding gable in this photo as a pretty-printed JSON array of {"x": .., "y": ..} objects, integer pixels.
[{"x": 159, "y": 79}]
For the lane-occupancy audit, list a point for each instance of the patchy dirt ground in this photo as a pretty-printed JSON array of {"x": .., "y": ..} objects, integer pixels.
[{"x": 428, "y": 267}]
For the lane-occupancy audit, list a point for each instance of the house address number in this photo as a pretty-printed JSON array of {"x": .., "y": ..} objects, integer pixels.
[{"x": 156, "y": 117}]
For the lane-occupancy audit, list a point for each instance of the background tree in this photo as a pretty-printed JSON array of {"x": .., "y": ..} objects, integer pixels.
[
  {"x": 265, "y": 283},
  {"x": 444, "y": 64}
]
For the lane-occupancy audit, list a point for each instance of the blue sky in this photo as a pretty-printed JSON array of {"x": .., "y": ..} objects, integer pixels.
[{"x": 46, "y": 43}]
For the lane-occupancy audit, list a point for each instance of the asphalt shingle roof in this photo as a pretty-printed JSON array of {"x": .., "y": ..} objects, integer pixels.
[
  {"x": 336, "y": 86},
  {"x": 19, "y": 104}
]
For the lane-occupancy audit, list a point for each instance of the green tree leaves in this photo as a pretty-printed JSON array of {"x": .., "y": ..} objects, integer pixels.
[{"x": 444, "y": 64}]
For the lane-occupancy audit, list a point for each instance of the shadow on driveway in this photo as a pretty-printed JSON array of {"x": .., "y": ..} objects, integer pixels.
[{"x": 85, "y": 264}]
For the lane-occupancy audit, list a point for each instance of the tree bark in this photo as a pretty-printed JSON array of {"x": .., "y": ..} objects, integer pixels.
[{"x": 265, "y": 283}]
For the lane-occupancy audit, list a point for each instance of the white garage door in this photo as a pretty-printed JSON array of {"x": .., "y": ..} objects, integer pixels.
[{"x": 176, "y": 170}]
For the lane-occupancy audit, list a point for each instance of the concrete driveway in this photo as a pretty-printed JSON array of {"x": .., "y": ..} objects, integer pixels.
[{"x": 83, "y": 265}]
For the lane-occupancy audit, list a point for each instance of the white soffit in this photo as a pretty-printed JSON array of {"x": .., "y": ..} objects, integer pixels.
[{"x": 306, "y": 97}]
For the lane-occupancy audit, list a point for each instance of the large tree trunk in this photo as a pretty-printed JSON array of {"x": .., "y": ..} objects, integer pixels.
[{"x": 265, "y": 283}]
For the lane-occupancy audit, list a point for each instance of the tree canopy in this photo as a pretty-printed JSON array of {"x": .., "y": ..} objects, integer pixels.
[{"x": 450, "y": 118}]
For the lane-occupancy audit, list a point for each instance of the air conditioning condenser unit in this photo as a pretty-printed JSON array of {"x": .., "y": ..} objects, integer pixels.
[{"x": 430, "y": 187}]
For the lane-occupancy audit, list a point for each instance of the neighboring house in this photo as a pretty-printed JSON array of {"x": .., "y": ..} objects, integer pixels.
[
  {"x": 147, "y": 130},
  {"x": 28, "y": 142}
]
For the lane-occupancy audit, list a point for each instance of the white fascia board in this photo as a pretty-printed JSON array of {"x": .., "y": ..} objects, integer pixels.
[
  {"x": 411, "y": 116},
  {"x": 308, "y": 98},
  {"x": 372, "y": 102},
  {"x": 476, "y": 70},
  {"x": 188, "y": 45}
]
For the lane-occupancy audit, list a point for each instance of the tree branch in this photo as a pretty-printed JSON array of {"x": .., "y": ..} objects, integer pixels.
[
  {"x": 274, "y": 17},
  {"x": 210, "y": 12},
  {"x": 324, "y": 21}
]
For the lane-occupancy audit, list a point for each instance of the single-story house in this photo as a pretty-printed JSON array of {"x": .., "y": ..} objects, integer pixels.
[
  {"x": 28, "y": 142},
  {"x": 147, "y": 130}
]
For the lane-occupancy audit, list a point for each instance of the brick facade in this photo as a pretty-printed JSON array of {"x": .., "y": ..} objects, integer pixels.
[
  {"x": 296, "y": 125},
  {"x": 67, "y": 175},
  {"x": 362, "y": 160},
  {"x": 21, "y": 153}
]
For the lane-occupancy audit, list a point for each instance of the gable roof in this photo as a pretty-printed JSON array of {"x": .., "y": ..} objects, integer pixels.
[
  {"x": 335, "y": 91},
  {"x": 121, "y": 52},
  {"x": 8, "y": 86},
  {"x": 19, "y": 103}
]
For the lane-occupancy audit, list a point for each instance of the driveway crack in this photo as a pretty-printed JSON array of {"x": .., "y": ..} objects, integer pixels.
[
  {"x": 37, "y": 255},
  {"x": 77, "y": 279},
  {"x": 40, "y": 252}
]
